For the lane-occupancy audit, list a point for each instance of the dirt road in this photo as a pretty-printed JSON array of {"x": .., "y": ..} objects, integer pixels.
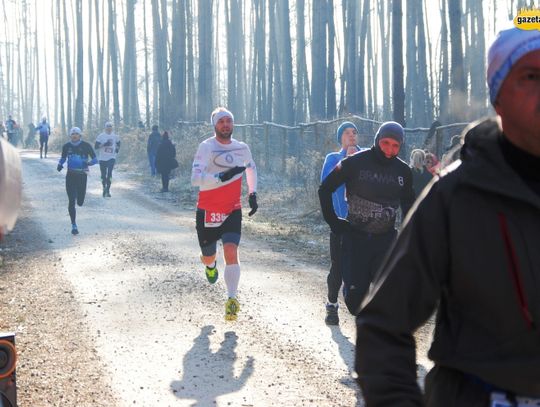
[{"x": 158, "y": 327}]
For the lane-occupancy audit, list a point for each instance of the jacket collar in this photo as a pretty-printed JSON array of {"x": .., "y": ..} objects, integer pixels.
[{"x": 485, "y": 166}]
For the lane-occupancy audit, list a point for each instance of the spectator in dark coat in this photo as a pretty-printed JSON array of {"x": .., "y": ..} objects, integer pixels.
[
  {"x": 151, "y": 148},
  {"x": 420, "y": 174},
  {"x": 165, "y": 160}
]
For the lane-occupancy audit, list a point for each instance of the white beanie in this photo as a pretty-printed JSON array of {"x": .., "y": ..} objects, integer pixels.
[
  {"x": 508, "y": 48},
  {"x": 75, "y": 130},
  {"x": 220, "y": 113}
]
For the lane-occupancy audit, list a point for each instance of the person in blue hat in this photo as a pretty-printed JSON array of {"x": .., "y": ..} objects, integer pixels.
[
  {"x": 347, "y": 139},
  {"x": 378, "y": 183},
  {"x": 79, "y": 156}
]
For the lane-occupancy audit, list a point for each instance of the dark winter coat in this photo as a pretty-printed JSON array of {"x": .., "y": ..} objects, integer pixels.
[
  {"x": 420, "y": 179},
  {"x": 165, "y": 157},
  {"x": 469, "y": 249}
]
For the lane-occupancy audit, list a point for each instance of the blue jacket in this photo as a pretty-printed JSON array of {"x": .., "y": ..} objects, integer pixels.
[
  {"x": 43, "y": 128},
  {"x": 338, "y": 197}
]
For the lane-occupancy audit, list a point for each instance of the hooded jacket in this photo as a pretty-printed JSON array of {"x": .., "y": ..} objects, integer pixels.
[{"x": 470, "y": 249}]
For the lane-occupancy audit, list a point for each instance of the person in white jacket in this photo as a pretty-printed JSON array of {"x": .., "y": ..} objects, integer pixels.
[
  {"x": 217, "y": 171},
  {"x": 107, "y": 147}
]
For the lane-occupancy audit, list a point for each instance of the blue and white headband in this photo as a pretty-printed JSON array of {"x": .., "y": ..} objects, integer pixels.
[
  {"x": 219, "y": 115},
  {"x": 508, "y": 48}
]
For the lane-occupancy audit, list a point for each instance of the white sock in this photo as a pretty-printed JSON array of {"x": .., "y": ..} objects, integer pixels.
[{"x": 232, "y": 277}]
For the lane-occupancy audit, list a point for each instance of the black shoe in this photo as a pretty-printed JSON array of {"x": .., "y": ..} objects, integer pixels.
[
  {"x": 104, "y": 193},
  {"x": 74, "y": 230},
  {"x": 332, "y": 317},
  {"x": 107, "y": 193}
]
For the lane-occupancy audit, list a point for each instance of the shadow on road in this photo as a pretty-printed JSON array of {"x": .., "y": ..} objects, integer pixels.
[
  {"x": 208, "y": 375},
  {"x": 346, "y": 351}
]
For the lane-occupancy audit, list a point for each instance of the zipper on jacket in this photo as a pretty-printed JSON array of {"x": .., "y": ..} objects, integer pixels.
[{"x": 513, "y": 267}]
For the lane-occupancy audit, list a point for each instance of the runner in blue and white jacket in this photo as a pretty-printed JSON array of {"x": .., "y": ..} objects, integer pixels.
[
  {"x": 79, "y": 155},
  {"x": 347, "y": 138},
  {"x": 44, "y": 130}
]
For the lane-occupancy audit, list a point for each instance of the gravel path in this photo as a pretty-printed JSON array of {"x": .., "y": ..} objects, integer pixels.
[{"x": 122, "y": 314}]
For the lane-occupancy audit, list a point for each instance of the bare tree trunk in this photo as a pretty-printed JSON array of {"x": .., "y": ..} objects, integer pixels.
[
  {"x": 100, "y": 81},
  {"x": 348, "y": 88},
  {"x": 90, "y": 111},
  {"x": 477, "y": 61},
  {"x": 423, "y": 96},
  {"x": 444, "y": 90},
  {"x": 178, "y": 58},
  {"x": 79, "y": 100},
  {"x": 331, "y": 108},
  {"x": 59, "y": 67},
  {"x": 384, "y": 27},
  {"x": 398, "y": 95},
  {"x": 458, "y": 97},
  {"x": 113, "y": 53},
  {"x": 205, "y": 28},
  {"x": 285, "y": 62},
  {"x": 302, "y": 83},
  {"x": 191, "y": 89},
  {"x": 361, "y": 60},
  {"x": 69, "y": 73},
  {"x": 146, "y": 72},
  {"x": 129, "y": 89},
  {"x": 318, "y": 60}
]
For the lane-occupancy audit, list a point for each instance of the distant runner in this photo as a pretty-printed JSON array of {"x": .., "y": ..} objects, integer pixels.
[
  {"x": 217, "y": 171},
  {"x": 107, "y": 147},
  {"x": 79, "y": 155},
  {"x": 44, "y": 130}
]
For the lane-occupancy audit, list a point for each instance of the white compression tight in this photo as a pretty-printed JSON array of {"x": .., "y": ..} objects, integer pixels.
[{"x": 232, "y": 277}]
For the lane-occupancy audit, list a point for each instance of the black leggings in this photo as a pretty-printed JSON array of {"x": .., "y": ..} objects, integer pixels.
[
  {"x": 106, "y": 168},
  {"x": 165, "y": 179},
  {"x": 334, "y": 279},
  {"x": 76, "y": 191},
  {"x": 43, "y": 145}
]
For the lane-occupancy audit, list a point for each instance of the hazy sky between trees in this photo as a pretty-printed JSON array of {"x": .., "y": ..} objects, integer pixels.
[{"x": 30, "y": 72}]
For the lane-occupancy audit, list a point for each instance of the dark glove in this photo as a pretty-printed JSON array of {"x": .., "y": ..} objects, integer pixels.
[
  {"x": 253, "y": 203},
  {"x": 340, "y": 226},
  {"x": 59, "y": 167},
  {"x": 108, "y": 143},
  {"x": 227, "y": 175}
]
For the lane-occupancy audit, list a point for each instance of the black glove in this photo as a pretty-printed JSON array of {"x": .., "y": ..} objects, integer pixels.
[
  {"x": 253, "y": 203},
  {"x": 340, "y": 226},
  {"x": 59, "y": 167},
  {"x": 227, "y": 175},
  {"x": 108, "y": 143}
]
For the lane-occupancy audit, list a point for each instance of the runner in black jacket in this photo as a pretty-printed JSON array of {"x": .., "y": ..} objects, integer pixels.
[{"x": 378, "y": 183}]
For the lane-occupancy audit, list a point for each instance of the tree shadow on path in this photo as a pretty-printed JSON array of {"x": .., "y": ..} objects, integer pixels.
[{"x": 208, "y": 375}]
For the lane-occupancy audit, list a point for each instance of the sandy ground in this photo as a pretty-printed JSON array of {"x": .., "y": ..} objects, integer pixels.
[{"x": 123, "y": 315}]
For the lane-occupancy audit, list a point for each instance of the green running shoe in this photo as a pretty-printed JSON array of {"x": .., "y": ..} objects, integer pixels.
[
  {"x": 231, "y": 309},
  {"x": 211, "y": 274}
]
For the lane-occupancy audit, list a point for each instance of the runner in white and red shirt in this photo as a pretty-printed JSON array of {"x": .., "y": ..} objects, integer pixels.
[{"x": 217, "y": 171}]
